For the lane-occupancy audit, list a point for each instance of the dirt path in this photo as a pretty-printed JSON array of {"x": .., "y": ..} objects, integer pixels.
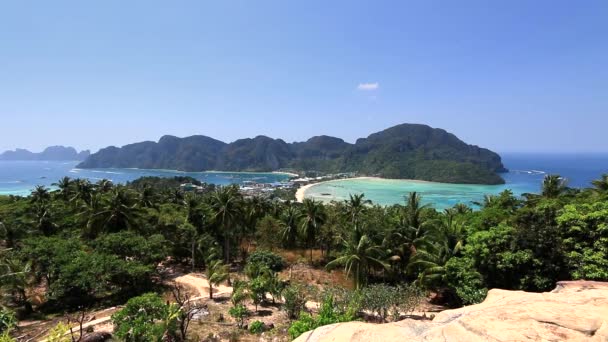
[{"x": 197, "y": 282}]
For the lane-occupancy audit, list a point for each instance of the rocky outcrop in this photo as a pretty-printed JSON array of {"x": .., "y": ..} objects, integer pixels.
[{"x": 574, "y": 311}]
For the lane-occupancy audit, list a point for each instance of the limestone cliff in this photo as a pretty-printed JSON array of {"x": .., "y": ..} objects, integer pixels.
[{"x": 574, "y": 311}]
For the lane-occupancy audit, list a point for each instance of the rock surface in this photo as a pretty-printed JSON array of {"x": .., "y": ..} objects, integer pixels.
[{"x": 574, "y": 311}]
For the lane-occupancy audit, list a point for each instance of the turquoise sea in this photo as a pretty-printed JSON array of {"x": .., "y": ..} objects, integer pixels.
[
  {"x": 20, "y": 177},
  {"x": 526, "y": 172}
]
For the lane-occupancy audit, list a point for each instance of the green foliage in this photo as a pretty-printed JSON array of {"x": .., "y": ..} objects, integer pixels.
[
  {"x": 256, "y": 327},
  {"x": 5, "y": 337},
  {"x": 328, "y": 314},
  {"x": 60, "y": 333},
  {"x": 266, "y": 258},
  {"x": 295, "y": 300},
  {"x": 239, "y": 312},
  {"x": 8, "y": 320},
  {"x": 403, "y": 151},
  {"x": 383, "y": 300},
  {"x": 145, "y": 318},
  {"x": 467, "y": 283}
]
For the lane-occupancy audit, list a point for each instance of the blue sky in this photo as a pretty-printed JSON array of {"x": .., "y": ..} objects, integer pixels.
[{"x": 507, "y": 75}]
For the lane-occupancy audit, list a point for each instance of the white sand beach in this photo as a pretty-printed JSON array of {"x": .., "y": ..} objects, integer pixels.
[{"x": 301, "y": 192}]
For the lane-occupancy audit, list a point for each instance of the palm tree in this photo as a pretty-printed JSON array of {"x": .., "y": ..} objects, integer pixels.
[
  {"x": 65, "y": 188},
  {"x": 84, "y": 191},
  {"x": 147, "y": 197},
  {"x": 312, "y": 217},
  {"x": 430, "y": 258},
  {"x": 104, "y": 185},
  {"x": 216, "y": 273},
  {"x": 15, "y": 278},
  {"x": 355, "y": 206},
  {"x": 461, "y": 208},
  {"x": 412, "y": 212},
  {"x": 553, "y": 186},
  {"x": 43, "y": 220},
  {"x": 359, "y": 258},
  {"x": 601, "y": 185},
  {"x": 94, "y": 222},
  {"x": 120, "y": 212},
  {"x": 40, "y": 194},
  {"x": 226, "y": 204},
  {"x": 289, "y": 218}
]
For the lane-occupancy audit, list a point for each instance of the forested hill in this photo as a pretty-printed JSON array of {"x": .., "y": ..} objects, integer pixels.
[
  {"x": 49, "y": 153},
  {"x": 405, "y": 151}
]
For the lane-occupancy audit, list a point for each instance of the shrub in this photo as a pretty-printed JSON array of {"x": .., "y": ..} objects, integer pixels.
[
  {"x": 238, "y": 312},
  {"x": 295, "y": 300},
  {"x": 256, "y": 327},
  {"x": 145, "y": 318},
  {"x": 269, "y": 259},
  {"x": 465, "y": 281},
  {"x": 60, "y": 333},
  {"x": 8, "y": 320},
  {"x": 327, "y": 315}
]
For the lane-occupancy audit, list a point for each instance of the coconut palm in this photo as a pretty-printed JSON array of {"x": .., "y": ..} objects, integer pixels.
[
  {"x": 216, "y": 273},
  {"x": 147, "y": 197},
  {"x": 40, "y": 194},
  {"x": 601, "y": 185},
  {"x": 553, "y": 186},
  {"x": 312, "y": 216},
  {"x": 430, "y": 258},
  {"x": 359, "y": 259},
  {"x": 84, "y": 191},
  {"x": 226, "y": 203},
  {"x": 43, "y": 221},
  {"x": 104, "y": 185},
  {"x": 355, "y": 206},
  {"x": 15, "y": 278},
  {"x": 119, "y": 212},
  {"x": 289, "y": 218},
  {"x": 65, "y": 188}
]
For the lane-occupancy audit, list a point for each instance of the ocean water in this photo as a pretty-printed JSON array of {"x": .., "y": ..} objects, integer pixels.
[
  {"x": 526, "y": 172},
  {"x": 20, "y": 177}
]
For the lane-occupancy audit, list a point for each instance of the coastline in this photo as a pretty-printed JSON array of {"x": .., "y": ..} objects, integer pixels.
[{"x": 301, "y": 192}]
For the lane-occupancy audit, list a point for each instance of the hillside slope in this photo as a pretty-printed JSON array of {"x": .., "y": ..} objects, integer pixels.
[{"x": 410, "y": 151}]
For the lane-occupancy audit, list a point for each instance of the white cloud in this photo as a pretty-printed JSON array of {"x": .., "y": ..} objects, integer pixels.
[{"x": 368, "y": 86}]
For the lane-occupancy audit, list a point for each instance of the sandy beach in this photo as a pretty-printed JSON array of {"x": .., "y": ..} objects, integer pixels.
[{"x": 301, "y": 192}]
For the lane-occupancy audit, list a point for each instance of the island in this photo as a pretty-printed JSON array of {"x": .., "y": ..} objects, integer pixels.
[
  {"x": 406, "y": 151},
  {"x": 52, "y": 153}
]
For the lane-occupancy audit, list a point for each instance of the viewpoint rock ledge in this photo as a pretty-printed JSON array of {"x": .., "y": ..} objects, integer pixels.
[{"x": 573, "y": 311}]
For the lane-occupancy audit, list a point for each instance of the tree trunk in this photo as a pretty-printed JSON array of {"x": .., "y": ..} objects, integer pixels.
[
  {"x": 193, "y": 261},
  {"x": 210, "y": 291}
]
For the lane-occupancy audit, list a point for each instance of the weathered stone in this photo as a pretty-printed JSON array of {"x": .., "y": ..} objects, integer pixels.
[{"x": 574, "y": 311}]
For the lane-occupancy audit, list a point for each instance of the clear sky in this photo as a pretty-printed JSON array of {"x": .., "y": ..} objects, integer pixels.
[{"x": 507, "y": 75}]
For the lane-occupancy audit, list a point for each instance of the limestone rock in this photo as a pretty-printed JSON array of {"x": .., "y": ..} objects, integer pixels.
[{"x": 574, "y": 311}]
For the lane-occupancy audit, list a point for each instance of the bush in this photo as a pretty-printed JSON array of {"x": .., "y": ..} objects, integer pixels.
[
  {"x": 295, "y": 300},
  {"x": 145, "y": 318},
  {"x": 238, "y": 312},
  {"x": 60, "y": 333},
  {"x": 465, "y": 281},
  {"x": 269, "y": 259},
  {"x": 382, "y": 300},
  {"x": 327, "y": 315},
  {"x": 256, "y": 327},
  {"x": 8, "y": 320}
]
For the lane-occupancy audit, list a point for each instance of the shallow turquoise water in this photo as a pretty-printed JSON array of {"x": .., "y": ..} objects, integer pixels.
[
  {"x": 20, "y": 177},
  {"x": 525, "y": 176},
  {"x": 388, "y": 191}
]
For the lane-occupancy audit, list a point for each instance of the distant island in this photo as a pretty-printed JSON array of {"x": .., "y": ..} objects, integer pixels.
[
  {"x": 52, "y": 153},
  {"x": 406, "y": 151}
]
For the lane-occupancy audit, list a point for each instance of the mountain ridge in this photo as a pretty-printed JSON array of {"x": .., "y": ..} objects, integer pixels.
[
  {"x": 51, "y": 153},
  {"x": 412, "y": 151}
]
